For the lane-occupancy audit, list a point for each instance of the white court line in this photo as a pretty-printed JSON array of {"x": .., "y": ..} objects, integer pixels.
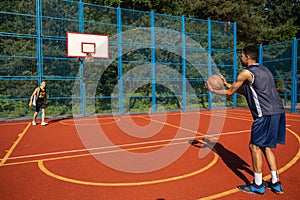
[
  {"x": 128, "y": 145},
  {"x": 215, "y": 113},
  {"x": 149, "y": 142},
  {"x": 225, "y": 116},
  {"x": 124, "y": 145},
  {"x": 12, "y": 123}
]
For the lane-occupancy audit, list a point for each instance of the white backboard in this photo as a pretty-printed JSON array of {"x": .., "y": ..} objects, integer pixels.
[{"x": 79, "y": 44}]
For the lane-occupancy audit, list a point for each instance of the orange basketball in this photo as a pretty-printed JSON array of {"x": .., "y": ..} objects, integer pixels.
[{"x": 216, "y": 82}]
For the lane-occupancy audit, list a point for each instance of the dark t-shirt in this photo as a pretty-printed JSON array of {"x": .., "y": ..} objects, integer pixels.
[
  {"x": 41, "y": 94},
  {"x": 262, "y": 96}
]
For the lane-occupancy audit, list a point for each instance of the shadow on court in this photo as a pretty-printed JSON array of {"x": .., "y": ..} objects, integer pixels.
[
  {"x": 232, "y": 161},
  {"x": 51, "y": 121}
]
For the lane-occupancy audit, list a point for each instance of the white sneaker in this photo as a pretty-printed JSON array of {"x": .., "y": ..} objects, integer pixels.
[
  {"x": 33, "y": 123},
  {"x": 44, "y": 123}
]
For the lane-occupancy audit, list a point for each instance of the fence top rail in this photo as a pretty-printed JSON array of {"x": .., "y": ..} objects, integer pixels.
[{"x": 279, "y": 43}]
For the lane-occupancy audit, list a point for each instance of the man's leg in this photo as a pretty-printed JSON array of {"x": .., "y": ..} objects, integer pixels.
[
  {"x": 34, "y": 118},
  {"x": 272, "y": 164},
  {"x": 43, "y": 115},
  {"x": 270, "y": 159},
  {"x": 275, "y": 184},
  {"x": 258, "y": 186},
  {"x": 257, "y": 163}
]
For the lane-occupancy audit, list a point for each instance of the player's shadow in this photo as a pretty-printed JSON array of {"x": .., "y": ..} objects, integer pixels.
[
  {"x": 51, "y": 121},
  {"x": 232, "y": 161}
]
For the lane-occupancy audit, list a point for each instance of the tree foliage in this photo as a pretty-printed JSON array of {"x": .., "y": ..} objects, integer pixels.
[{"x": 258, "y": 21}]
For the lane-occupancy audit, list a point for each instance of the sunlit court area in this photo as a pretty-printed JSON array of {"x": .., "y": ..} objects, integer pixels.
[
  {"x": 149, "y": 100},
  {"x": 145, "y": 156}
]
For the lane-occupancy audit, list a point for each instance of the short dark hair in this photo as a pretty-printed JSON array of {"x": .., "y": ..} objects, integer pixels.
[{"x": 251, "y": 51}]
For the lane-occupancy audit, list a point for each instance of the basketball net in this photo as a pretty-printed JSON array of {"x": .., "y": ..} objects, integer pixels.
[{"x": 89, "y": 57}]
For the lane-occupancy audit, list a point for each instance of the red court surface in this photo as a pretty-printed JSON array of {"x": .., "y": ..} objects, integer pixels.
[{"x": 140, "y": 157}]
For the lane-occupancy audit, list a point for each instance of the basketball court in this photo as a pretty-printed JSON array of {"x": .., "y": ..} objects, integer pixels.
[
  {"x": 147, "y": 156},
  {"x": 102, "y": 60}
]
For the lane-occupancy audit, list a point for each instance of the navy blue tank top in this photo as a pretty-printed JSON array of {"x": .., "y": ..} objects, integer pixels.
[{"x": 262, "y": 95}]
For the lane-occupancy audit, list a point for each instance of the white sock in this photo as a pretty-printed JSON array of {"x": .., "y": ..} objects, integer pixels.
[
  {"x": 274, "y": 175},
  {"x": 257, "y": 178}
]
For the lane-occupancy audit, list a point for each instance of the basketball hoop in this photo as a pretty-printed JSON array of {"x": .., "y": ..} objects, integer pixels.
[
  {"x": 89, "y": 57},
  {"x": 87, "y": 47}
]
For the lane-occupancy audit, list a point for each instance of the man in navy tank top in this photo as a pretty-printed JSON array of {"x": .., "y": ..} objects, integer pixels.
[{"x": 256, "y": 83}]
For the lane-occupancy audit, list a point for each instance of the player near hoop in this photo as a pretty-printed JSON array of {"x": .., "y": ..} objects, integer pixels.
[
  {"x": 40, "y": 102},
  {"x": 256, "y": 82}
]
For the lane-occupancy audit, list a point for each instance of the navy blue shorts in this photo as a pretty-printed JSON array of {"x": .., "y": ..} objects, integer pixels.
[{"x": 269, "y": 130}]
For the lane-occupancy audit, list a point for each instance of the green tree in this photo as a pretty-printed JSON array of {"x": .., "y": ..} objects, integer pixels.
[{"x": 258, "y": 21}]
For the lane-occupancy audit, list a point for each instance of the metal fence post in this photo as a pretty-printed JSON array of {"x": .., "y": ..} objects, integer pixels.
[
  {"x": 153, "y": 79},
  {"x": 261, "y": 54},
  {"x": 39, "y": 40},
  {"x": 209, "y": 60},
  {"x": 294, "y": 76},
  {"x": 183, "y": 62},
  {"x": 285, "y": 92},
  {"x": 39, "y": 48},
  {"x": 82, "y": 84},
  {"x": 234, "y": 62},
  {"x": 120, "y": 71}
]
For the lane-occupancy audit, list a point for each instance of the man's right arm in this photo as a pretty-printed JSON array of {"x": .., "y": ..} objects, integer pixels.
[{"x": 31, "y": 97}]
